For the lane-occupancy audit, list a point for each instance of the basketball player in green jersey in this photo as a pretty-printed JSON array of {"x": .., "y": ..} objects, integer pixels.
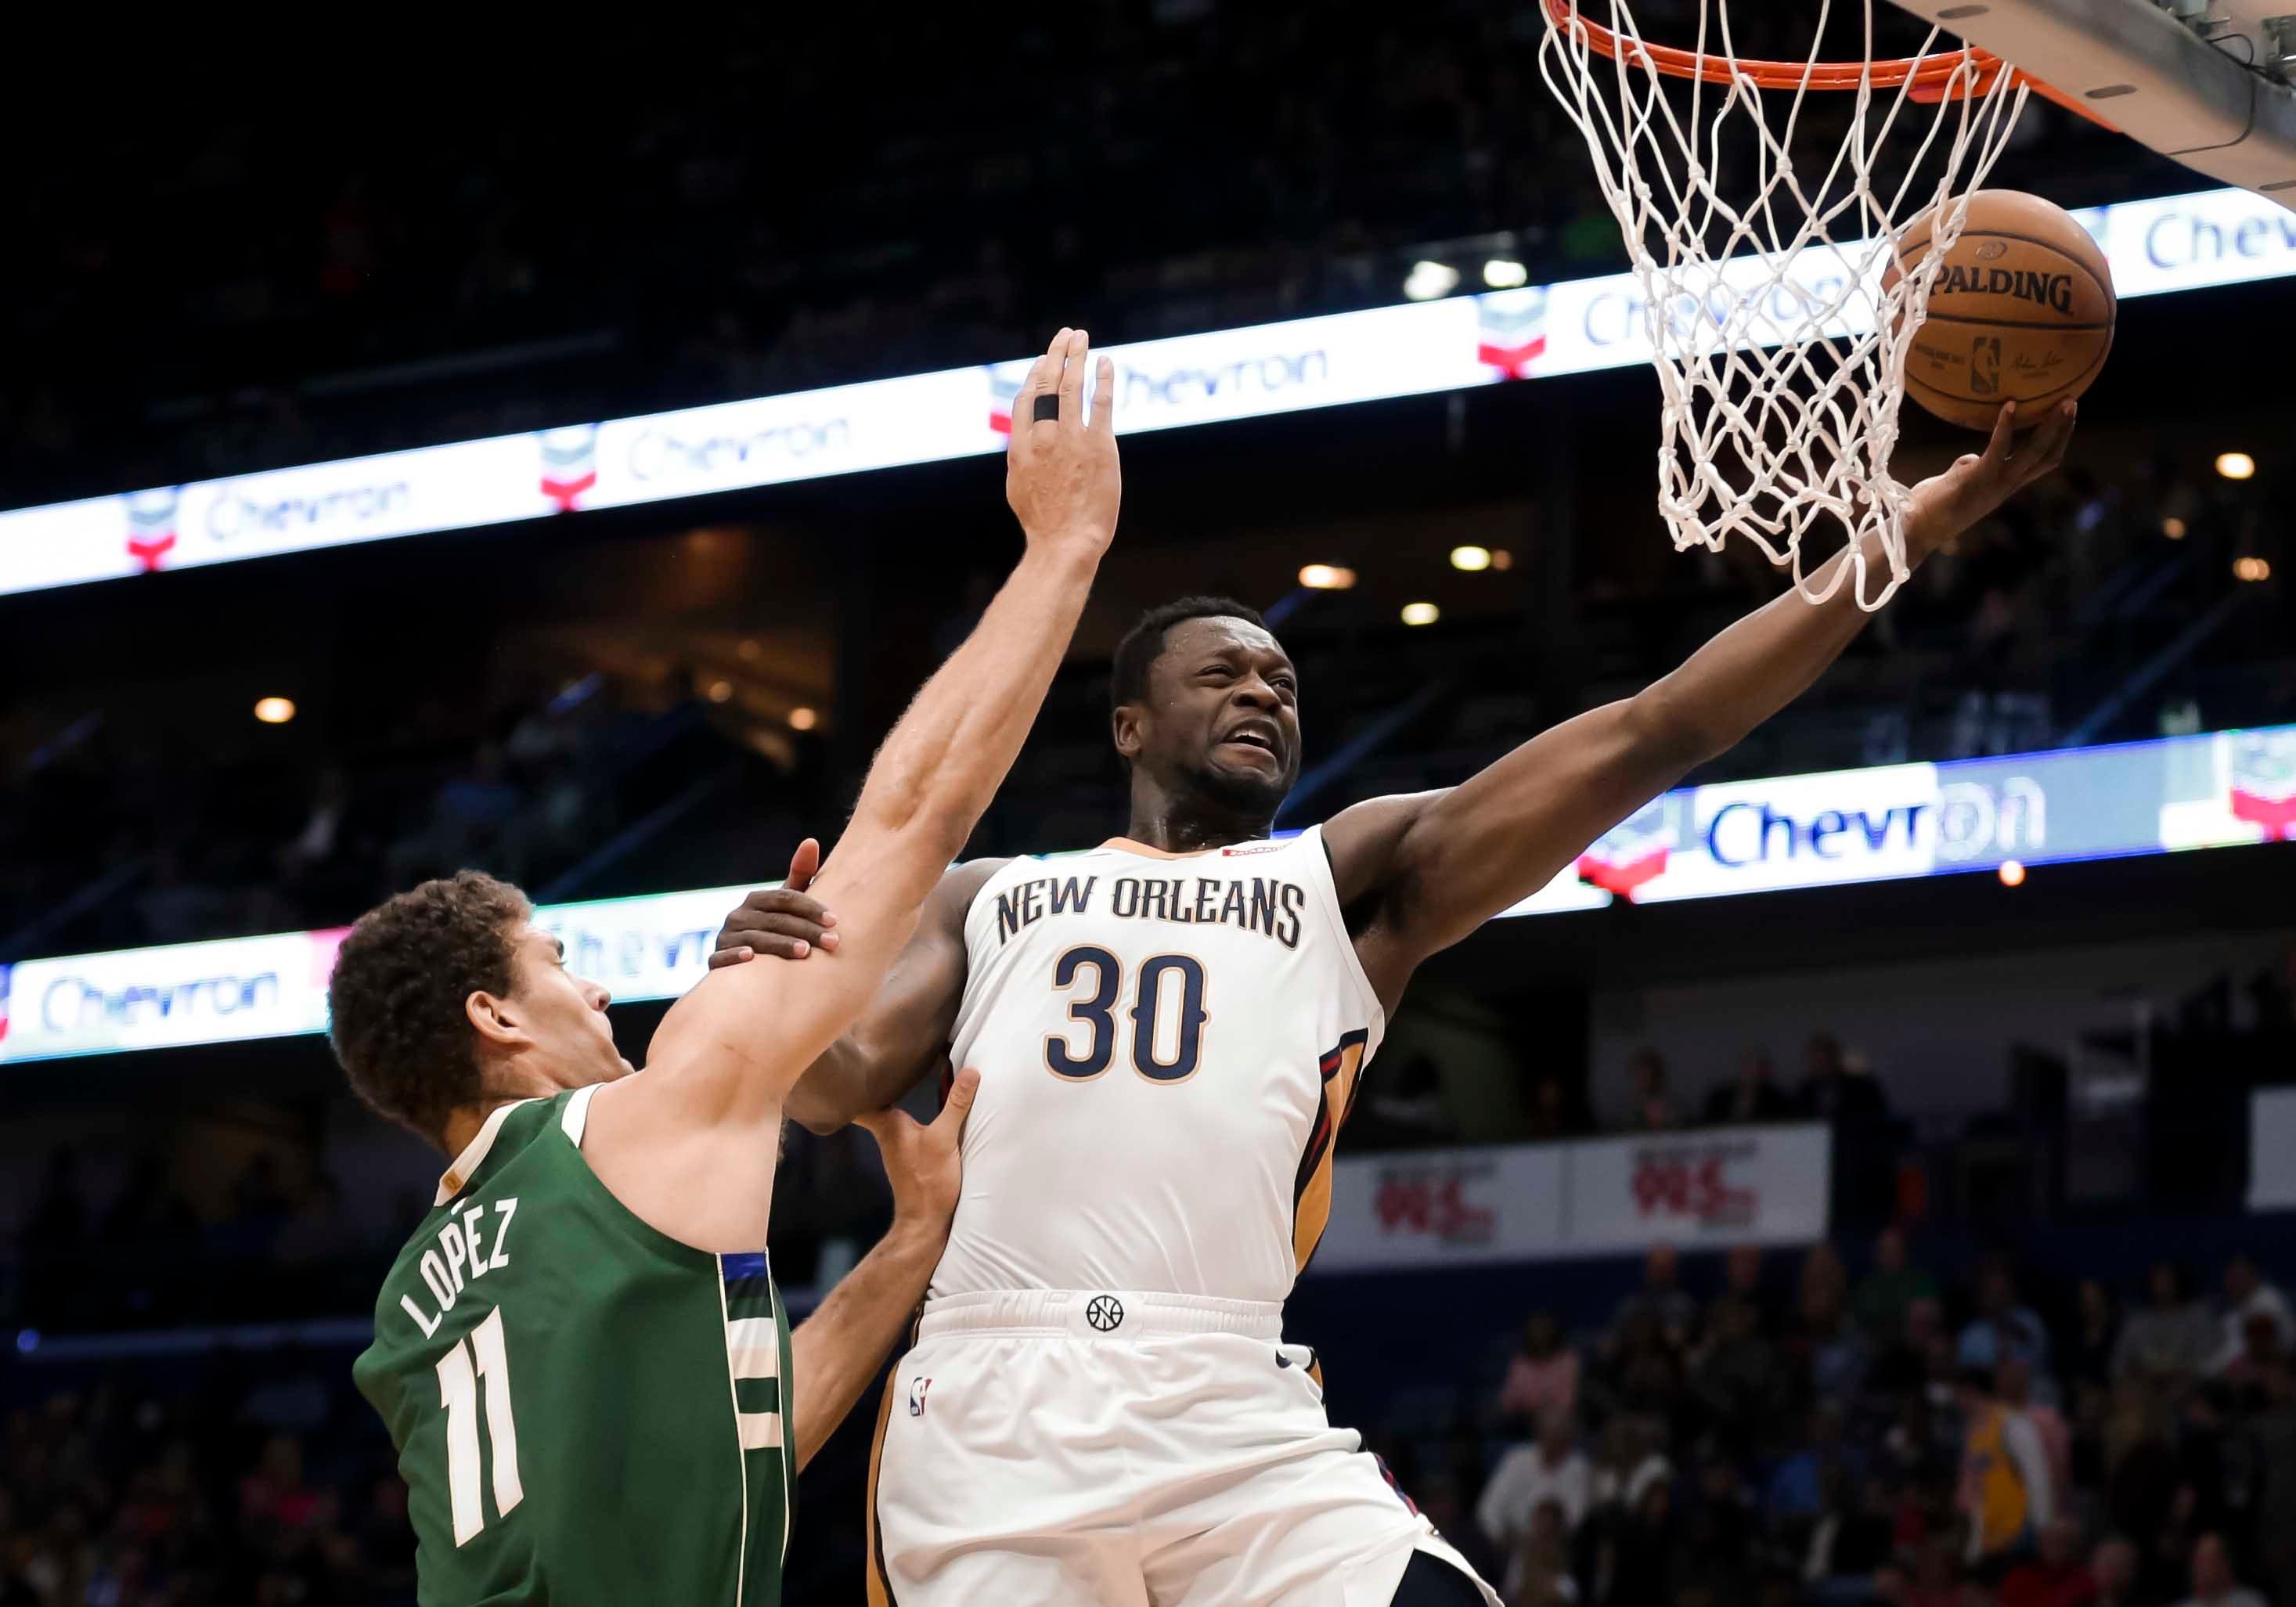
[{"x": 580, "y": 1354}]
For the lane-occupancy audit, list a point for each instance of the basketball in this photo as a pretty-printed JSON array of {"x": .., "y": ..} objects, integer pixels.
[{"x": 2021, "y": 310}]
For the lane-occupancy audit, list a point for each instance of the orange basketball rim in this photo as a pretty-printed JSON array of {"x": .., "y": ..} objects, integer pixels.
[{"x": 1933, "y": 77}]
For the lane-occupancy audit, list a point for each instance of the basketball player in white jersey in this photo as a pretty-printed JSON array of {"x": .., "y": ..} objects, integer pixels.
[{"x": 1099, "y": 1406}]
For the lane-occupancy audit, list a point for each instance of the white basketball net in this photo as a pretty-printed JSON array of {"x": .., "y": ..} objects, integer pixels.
[{"x": 1780, "y": 351}]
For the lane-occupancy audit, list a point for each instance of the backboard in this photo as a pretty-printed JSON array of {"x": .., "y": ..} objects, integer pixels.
[{"x": 2205, "y": 82}]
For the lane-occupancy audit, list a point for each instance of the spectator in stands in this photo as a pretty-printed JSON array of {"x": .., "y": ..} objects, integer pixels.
[
  {"x": 1919, "y": 1444},
  {"x": 1738, "y": 1380},
  {"x": 1663, "y": 1297},
  {"x": 1903, "y": 1365},
  {"x": 1827, "y": 1349},
  {"x": 2007, "y": 1493},
  {"x": 1528, "y": 1477},
  {"x": 1553, "y": 1113},
  {"x": 274, "y": 1496},
  {"x": 2273, "y": 1447},
  {"x": 1852, "y": 1537},
  {"x": 2171, "y": 1336},
  {"x": 2003, "y": 1327},
  {"x": 2113, "y": 1568},
  {"x": 1882, "y": 1298},
  {"x": 2213, "y": 1583},
  {"x": 1652, "y": 1109},
  {"x": 1825, "y": 1280},
  {"x": 1796, "y": 1495},
  {"x": 2012, "y": 1386},
  {"x": 2097, "y": 1333},
  {"x": 1632, "y": 1458},
  {"x": 1542, "y": 1377},
  {"x": 2143, "y": 1479},
  {"x": 1717, "y": 1531},
  {"x": 1539, "y": 1573},
  {"x": 1644, "y": 1559},
  {"x": 1935, "y": 1580},
  {"x": 1752, "y": 1095},
  {"x": 1830, "y": 1093},
  {"x": 2055, "y": 1576},
  {"x": 1643, "y": 1372},
  {"x": 1742, "y": 1285},
  {"x": 2248, "y": 1296}
]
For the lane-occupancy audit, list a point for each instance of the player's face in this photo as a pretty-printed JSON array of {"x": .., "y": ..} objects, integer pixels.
[
  {"x": 565, "y": 1015},
  {"x": 1223, "y": 713}
]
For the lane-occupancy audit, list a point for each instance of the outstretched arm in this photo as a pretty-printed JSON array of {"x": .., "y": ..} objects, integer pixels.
[
  {"x": 834, "y": 1353},
  {"x": 736, "y": 1044},
  {"x": 903, "y": 1037},
  {"x": 682, "y": 1146},
  {"x": 1419, "y": 873}
]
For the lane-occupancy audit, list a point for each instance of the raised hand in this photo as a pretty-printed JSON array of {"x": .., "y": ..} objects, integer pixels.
[
  {"x": 780, "y": 923},
  {"x": 1060, "y": 474},
  {"x": 1946, "y": 504},
  {"x": 923, "y": 1163}
]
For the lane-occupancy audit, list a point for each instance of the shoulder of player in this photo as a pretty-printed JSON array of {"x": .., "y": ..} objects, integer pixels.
[
  {"x": 1360, "y": 841},
  {"x": 952, "y": 898}
]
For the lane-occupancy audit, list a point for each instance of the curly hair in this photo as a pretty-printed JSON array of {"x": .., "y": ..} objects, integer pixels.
[{"x": 395, "y": 1000}]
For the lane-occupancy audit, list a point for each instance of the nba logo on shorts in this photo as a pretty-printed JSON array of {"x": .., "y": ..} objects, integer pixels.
[{"x": 917, "y": 1388}]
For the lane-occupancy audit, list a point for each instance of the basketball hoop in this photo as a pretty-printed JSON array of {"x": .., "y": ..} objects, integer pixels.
[{"x": 1777, "y": 315}]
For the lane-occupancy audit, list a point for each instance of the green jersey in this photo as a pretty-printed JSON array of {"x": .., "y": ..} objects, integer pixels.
[{"x": 584, "y": 1409}]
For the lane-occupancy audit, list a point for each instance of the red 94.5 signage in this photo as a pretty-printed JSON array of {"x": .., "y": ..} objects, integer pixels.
[
  {"x": 1598, "y": 1197},
  {"x": 1763, "y": 1185},
  {"x": 1692, "y": 1185}
]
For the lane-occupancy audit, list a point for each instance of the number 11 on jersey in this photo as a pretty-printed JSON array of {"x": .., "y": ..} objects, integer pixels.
[{"x": 458, "y": 1393}]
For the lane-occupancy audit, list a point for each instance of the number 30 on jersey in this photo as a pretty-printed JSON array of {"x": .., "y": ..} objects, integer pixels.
[{"x": 1167, "y": 1013}]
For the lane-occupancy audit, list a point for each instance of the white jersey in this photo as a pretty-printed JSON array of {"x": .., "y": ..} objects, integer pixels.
[{"x": 1167, "y": 1046}]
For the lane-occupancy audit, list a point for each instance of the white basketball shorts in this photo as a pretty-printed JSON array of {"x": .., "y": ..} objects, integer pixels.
[{"x": 1055, "y": 1447}]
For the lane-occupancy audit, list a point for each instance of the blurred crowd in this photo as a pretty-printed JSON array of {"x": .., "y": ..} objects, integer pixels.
[
  {"x": 259, "y": 1480},
  {"x": 154, "y": 1242},
  {"x": 115, "y": 843},
  {"x": 722, "y": 225},
  {"x": 1771, "y": 1429},
  {"x": 1891, "y": 1436}
]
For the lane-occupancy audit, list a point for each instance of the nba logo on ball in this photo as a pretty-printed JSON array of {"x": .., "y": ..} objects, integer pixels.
[{"x": 917, "y": 1388}]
